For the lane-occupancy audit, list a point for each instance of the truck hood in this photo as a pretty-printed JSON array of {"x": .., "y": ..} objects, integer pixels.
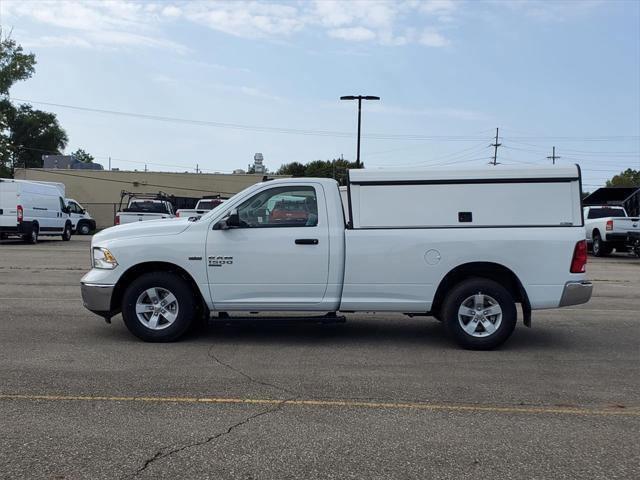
[{"x": 170, "y": 226}]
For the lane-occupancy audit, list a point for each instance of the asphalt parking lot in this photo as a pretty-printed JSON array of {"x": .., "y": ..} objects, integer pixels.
[{"x": 381, "y": 396}]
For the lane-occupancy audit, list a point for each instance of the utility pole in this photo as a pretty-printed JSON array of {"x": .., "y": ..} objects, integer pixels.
[
  {"x": 109, "y": 163},
  {"x": 145, "y": 167},
  {"x": 553, "y": 156},
  {"x": 197, "y": 168},
  {"x": 495, "y": 151},
  {"x": 359, "y": 98}
]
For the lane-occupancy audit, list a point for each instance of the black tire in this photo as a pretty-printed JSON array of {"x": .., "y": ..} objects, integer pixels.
[
  {"x": 66, "y": 233},
  {"x": 83, "y": 228},
  {"x": 600, "y": 248},
  {"x": 489, "y": 290},
  {"x": 32, "y": 237},
  {"x": 170, "y": 282}
]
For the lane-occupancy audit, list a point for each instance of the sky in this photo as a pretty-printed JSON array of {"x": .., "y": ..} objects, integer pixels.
[{"x": 179, "y": 85}]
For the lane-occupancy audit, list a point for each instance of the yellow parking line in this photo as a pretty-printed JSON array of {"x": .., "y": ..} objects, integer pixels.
[{"x": 445, "y": 407}]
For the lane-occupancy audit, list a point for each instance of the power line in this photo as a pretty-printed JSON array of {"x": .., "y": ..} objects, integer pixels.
[{"x": 330, "y": 133}]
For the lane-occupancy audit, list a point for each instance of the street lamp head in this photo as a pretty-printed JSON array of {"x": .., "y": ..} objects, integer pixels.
[{"x": 359, "y": 97}]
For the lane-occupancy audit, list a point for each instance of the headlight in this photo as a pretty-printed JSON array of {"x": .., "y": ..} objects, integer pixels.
[{"x": 103, "y": 258}]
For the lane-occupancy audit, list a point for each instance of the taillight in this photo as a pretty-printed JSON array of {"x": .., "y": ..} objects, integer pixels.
[
  {"x": 117, "y": 220},
  {"x": 609, "y": 225},
  {"x": 579, "y": 260},
  {"x": 177, "y": 214},
  {"x": 20, "y": 213}
]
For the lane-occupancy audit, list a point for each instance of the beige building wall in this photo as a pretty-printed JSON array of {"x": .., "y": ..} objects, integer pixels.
[{"x": 99, "y": 190}]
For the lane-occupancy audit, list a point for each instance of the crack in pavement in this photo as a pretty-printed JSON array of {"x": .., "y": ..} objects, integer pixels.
[
  {"x": 247, "y": 376},
  {"x": 161, "y": 454}
]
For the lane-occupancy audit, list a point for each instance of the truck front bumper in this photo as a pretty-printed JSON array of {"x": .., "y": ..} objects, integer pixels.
[
  {"x": 575, "y": 293},
  {"x": 96, "y": 297}
]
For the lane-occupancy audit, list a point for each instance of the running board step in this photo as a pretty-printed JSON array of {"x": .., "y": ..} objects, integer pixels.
[{"x": 224, "y": 318}]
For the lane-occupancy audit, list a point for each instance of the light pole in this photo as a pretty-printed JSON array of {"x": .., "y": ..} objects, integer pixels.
[{"x": 359, "y": 98}]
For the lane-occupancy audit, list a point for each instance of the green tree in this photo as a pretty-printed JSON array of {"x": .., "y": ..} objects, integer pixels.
[
  {"x": 628, "y": 178},
  {"x": 82, "y": 156},
  {"x": 34, "y": 133},
  {"x": 25, "y": 133},
  {"x": 320, "y": 168},
  {"x": 15, "y": 65},
  {"x": 295, "y": 169}
]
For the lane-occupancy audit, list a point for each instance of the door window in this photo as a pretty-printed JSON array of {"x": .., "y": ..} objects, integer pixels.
[
  {"x": 290, "y": 206},
  {"x": 75, "y": 208}
]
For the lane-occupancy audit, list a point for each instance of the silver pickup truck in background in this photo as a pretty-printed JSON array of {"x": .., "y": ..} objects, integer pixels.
[{"x": 609, "y": 227}]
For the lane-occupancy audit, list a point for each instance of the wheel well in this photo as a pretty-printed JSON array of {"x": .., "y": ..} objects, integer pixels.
[
  {"x": 493, "y": 271},
  {"x": 148, "y": 267},
  {"x": 595, "y": 232}
]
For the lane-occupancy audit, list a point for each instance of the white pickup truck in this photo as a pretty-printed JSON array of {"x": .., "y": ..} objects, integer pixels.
[
  {"x": 608, "y": 227},
  {"x": 141, "y": 209},
  {"x": 462, "y": 246},
  {"x": 203, "y": 206}
]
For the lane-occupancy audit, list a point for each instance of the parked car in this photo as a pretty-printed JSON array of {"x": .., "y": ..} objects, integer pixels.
[
  {"x": 32, "y": 209},
  {"x": 608, "y": 227},
  {"x": 203, "y": 206},
  {"x": 141, "y": 207},
  {"x": 463, "y": 246},
  {"x": 81, "y": 219}
]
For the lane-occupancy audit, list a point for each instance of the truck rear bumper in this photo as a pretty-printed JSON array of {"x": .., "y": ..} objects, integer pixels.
[
  {"x": 96, "y": 297},
  {"x": 575, "y": 293}
]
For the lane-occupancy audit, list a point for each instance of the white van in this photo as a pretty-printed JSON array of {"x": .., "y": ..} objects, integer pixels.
[
  {"x": 30, "y": 209},
  {"x": 81, "y": 221}
]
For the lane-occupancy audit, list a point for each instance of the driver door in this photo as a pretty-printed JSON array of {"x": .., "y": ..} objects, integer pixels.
[{"x": 278, "y": 256}]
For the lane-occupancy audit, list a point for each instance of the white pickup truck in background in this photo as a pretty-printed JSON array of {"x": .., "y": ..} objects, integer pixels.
[
  {"x": 142, "y": 207},
  {"x": 609, "y": 227},
  {"x": 464, "y": 246},
  {"x": 203, "y": 206}
]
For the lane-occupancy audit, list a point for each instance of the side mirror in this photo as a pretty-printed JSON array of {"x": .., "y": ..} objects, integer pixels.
[
  {"x": 230, "y": 221},
  {"x": 233, "y": 220},
  {"x": 83, "y": 211}
]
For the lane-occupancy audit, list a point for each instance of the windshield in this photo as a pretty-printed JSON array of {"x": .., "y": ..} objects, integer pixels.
[{"x": 605, "y": 212}]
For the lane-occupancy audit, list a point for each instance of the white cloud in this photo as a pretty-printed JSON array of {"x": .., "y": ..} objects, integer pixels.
[
  {"x": 132, "y": 23},
  {"x": 433, "y": 39},
  {"x": 356, "y": 34},
  {"x": 114, "y": 24}
]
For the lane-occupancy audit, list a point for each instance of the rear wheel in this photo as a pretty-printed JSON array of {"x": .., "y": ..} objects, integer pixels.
[
  {"x": 600, "y": 248},
  {"x": 32, "y": 237},
  {"x": 158, "y": 307},
  {"x": 479, "y": 313},
  {"x": 66, "y": 233}
]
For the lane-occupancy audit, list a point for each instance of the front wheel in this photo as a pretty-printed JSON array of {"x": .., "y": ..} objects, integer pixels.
[
  {"x": 480, "y": 314},
  {"x": 158, "y": 307},
  {"x": 84, "y": 229}
]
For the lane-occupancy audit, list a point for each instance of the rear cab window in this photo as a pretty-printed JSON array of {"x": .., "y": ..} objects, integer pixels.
[{"x": 602, "y": 212}]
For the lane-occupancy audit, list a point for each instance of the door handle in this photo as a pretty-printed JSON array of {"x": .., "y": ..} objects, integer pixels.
[{"x": 306, "y": 241}]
